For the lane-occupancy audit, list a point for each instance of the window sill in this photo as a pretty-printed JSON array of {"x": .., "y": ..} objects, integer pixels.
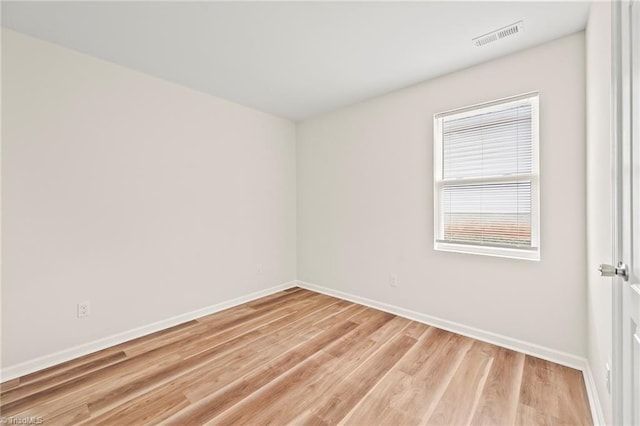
[{"x": 489, "y": 251}]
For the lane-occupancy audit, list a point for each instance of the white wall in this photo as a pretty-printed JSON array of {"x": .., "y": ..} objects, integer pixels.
[
  {"x": 599, "y": 196},
  {"x": 365, "y": 203},
  {"x": 146, "y": 198}
]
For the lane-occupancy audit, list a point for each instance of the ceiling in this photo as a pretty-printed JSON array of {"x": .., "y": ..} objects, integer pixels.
[{"x": 293, "y": 59}]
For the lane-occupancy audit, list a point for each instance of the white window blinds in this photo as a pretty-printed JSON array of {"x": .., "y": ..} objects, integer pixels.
[{"x": 487, "y": 177}]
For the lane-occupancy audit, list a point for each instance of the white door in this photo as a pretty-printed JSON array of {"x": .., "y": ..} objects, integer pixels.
[{"x": 626, "y": 345}]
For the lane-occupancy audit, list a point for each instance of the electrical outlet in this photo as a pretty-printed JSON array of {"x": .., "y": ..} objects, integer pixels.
[
  {"x": 393, "y": 280},
  {"x": 83, "y": 309},
  {"x": 259, "y": 268}
]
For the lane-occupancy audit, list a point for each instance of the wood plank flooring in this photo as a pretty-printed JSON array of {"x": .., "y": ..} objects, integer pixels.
[{"x": 298, "y": 357}]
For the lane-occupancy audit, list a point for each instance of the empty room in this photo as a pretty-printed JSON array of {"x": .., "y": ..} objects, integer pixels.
[{"x": 320, "y": 213}]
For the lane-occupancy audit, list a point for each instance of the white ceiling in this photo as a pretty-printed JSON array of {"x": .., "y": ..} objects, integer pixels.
[{"x": 293, "y": 59}]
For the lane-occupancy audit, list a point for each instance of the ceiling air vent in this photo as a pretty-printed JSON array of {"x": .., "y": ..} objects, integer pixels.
[{"x": 498, "y": 34}]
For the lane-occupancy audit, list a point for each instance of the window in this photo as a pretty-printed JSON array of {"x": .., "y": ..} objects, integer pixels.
[{"x": 487, "y": 179}]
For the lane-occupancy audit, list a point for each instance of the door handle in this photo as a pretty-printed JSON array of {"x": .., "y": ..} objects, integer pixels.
[{"x": 620, "y": 270}]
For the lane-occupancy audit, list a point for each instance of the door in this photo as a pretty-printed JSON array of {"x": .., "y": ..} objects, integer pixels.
[{"x": 626, "y": 345}]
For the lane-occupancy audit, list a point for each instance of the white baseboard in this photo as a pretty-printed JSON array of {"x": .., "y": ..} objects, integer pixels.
[
  {"x": 538, "y": 351},
  {"x": 50, "y": 360},
  {"x": 592, "y": 393},
  {"x": 532, "y": 349}
]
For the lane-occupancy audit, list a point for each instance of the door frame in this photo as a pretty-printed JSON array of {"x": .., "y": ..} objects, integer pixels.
[{"x": 621, "y": 93}]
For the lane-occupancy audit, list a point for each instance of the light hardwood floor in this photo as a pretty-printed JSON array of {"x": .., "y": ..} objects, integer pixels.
[{"x": 298, "y": 357}]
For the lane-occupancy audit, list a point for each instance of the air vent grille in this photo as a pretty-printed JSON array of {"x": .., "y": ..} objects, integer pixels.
[{"x": 498, "y": 34}]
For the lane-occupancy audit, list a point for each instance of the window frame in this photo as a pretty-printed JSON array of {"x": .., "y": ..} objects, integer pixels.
[{"x": 439, "y": 183}]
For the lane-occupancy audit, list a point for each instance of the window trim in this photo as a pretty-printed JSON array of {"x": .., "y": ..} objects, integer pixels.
[{"x": 534, "y": 177}]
